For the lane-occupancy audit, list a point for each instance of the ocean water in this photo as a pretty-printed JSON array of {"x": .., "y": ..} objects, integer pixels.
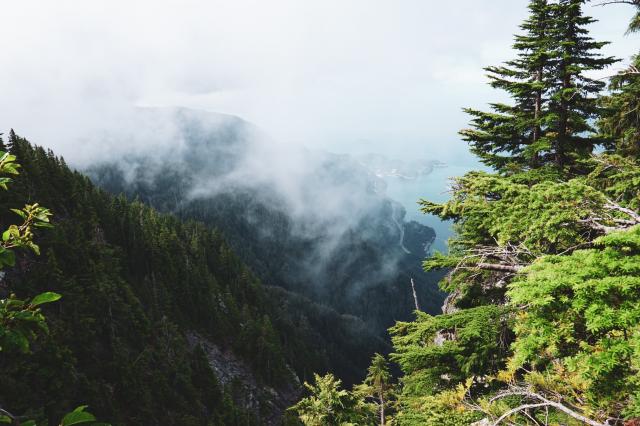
[{"x": 433, "y": 187}]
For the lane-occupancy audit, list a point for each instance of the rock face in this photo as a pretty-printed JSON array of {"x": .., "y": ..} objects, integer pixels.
[{"x": 234, "y": 374}]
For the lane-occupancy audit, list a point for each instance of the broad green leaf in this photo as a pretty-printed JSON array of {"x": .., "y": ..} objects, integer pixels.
[
  {"x": 7, "y": 257},
  {"x": 19, "y": 341},
  {"x": 19, "y": 213},
  {"x": 77, "y": 417},
  {"x": 34, "y": 247},
  {"x": 46, "y": 297},
  {"x": 43, "y": 225}
]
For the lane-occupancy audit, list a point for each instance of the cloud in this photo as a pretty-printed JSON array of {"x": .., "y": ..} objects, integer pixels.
[{"x": 325, "y": 74}]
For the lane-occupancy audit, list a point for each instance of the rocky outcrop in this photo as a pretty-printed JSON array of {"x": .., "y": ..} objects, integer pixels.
[{"x": 266, "y": 402}]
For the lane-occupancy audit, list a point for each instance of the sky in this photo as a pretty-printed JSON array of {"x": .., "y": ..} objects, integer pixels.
[{"x": 350, "y": 76}]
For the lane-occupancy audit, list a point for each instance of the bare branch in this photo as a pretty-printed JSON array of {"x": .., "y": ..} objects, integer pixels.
[
  {"x": 544, "y": 402},
  {"x": 415, "y": 295},
  {"x": 619, "y": 224},
  {"x": 499, "y": 267},
  {"x": 14, "y": 420},
  {"x": 516, "y": 410},
  {"x": 533, "y": 419},
  {"x": 608, "y": 2},
  {"x": 610, "y": 205}
]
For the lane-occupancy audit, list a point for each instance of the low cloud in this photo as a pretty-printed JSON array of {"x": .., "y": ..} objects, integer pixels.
[{"x": 321, "y": 74}]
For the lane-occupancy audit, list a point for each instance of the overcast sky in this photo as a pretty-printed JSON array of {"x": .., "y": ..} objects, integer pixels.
[{"x": 344, "y": 75}]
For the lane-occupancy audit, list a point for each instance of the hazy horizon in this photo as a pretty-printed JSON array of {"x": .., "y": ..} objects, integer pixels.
[{"x": 339, "y": 76}]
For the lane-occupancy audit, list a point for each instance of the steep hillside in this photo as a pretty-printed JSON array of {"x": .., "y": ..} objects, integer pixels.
[
  {"x": 159, "y": 324},
  {"x": 314, "y": 223}
]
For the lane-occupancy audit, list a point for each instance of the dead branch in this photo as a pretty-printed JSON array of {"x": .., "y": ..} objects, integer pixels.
[
  {"x": 14, "y": 420},
  {"x": 632, "y": 70},
  {"x": 507, "y": 258},
  {"x": 630, "y": 2},
  {"x": 594, "y": 223},
  {"x": 499, "y": 267},
  {"x": 516, "y": 410},
  {"x": 530, "y": 417},
  {"x": 610, "y": 223},
  {"x": 544, "y": 402},
  {"x": 610, "y": 205},
  {"x": 415, "y": 295}
]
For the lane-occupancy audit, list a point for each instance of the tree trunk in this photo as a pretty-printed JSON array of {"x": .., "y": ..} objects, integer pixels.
[
  {"x": 536, "y": 116},
  {"x": 563, "y": 126},
  {"x": 381, "y": 409}
]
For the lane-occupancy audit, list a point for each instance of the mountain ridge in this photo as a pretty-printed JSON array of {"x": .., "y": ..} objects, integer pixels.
[{"x": 299, "y": 224}]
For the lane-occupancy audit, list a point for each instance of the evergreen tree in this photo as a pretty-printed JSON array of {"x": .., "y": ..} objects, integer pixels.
[
  {"x": 620, "y": 120},
  {"x": 634, "y": 25},
  {"x": 493, "y": 353},
  {"x": 515, "y": 134},
  {"x": 140, "y": 289},
  {"x": 573, "y": 95},
  {"x": 580, "y": 330},
  {"x": 330, "y": 405},
  {"x": 548, "y": 122},
  {"x": 378, "y": 378}
]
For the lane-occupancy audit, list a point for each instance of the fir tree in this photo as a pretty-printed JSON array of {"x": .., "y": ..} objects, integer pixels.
[
  {"x": 634, "y": 25},
  {"x": 620, "y": 120},
  {"x": 573, "y": 95},
  {"x": 549, "y": 199},
  {"x": 378, "y": 378},
  {"x": 330, "y": 405},
  {"x": 548, "y": 122},
  {"x": 512, "y": 133}
]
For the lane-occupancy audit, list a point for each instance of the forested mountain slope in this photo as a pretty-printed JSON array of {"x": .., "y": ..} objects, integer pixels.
[
  {"x": 314, "y": 223},
  {"x": 161, "y": 323},
  {"x": 135, "y": 285}
]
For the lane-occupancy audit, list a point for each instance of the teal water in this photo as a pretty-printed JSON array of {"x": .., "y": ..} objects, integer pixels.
[{"x": 433, "y": 187}]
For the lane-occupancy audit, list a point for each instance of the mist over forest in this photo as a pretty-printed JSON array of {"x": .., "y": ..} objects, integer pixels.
[{"x": 308, "y": 220}]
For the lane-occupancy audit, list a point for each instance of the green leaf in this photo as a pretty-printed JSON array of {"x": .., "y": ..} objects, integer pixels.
[
  {"x": 77, "y": 417},
  {"x": 19, "y": 213},
  {"x": 4, "y": 181},
  {"x": 34, "y": 247},
  {"x": 46, "y": 297},
  {"x": 7, "y": 257},
  {"x": 43, "y": 225},
  {"x": 18, "y": 340}
]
